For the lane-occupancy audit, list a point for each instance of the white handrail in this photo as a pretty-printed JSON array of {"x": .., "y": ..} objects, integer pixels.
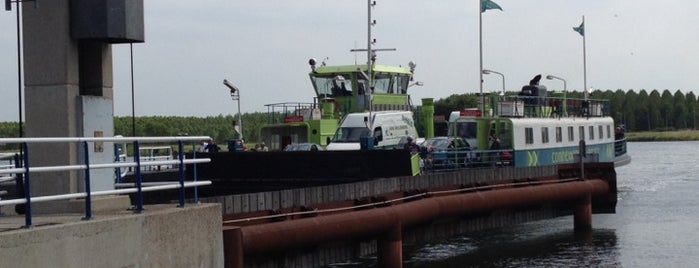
[
  {"x": 104, "y": 139},
  {"x": 99, "y": 166},
  {"x": 98, "y": 193}
]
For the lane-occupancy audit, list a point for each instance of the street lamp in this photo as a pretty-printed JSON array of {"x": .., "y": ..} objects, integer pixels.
[
  {"x": 565, "y": 91},
  {"x": 486, "y": 71},
  {"x": 235, "y": 95}
]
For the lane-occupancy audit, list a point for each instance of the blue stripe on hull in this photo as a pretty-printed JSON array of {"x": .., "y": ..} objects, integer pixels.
[{"x": 561, "y": 155}]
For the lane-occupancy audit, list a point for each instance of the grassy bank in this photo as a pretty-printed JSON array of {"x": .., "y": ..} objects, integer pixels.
[{"x": 678, "y": 135}]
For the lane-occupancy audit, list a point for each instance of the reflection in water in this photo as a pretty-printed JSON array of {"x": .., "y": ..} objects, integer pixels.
[
  {"x": 549, "y": 243},
  {"x": 520, "y": 247}
]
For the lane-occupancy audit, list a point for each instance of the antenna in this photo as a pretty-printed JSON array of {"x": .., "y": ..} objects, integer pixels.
[{"x": 371, "y": 53}]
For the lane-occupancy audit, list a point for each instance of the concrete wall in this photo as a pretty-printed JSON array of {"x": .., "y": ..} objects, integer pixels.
[{"x": 162, "y": 236}]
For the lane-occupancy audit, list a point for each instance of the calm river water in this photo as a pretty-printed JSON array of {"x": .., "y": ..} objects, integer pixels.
[{"x": 656, "y": 224}]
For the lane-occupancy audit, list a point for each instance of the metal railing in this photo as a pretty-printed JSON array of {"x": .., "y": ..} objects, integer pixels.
[
  {"x": 541, "y": 107},
  {"x": 466, "y": 159},
  {"x": 24, "y": 169}
]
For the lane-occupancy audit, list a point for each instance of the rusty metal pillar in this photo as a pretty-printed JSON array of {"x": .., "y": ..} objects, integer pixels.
[
  {"x": 583, "y": 214},
  {"x": 233, "y": 247},
  {"x": 390, "y": 248}
]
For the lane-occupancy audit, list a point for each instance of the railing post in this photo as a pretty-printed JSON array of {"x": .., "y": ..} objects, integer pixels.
[
  {"x": 139, "y": 193},
  {"x": 117, "y": 170},
  {"x": 194, "y": 172},
  {"x": 27, "y": 188},
  {"x": 88, "y": 198},
  {"x": 180, "y": 148}
]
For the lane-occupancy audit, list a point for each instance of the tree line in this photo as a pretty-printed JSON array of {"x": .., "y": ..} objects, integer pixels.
[{"x": 638, "y": 111}]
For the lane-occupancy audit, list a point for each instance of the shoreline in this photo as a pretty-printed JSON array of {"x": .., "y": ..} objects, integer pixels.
[{"x": 676, "y": 135}]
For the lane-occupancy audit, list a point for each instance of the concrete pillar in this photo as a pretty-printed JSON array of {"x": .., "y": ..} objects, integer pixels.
[
  {"x": 390, "y": 248},
  {"x": 582, "y": 214},
  {"x": 68, "y": 93}
]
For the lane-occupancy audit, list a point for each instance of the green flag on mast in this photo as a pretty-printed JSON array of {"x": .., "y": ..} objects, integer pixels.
[
  {"x": 487, "y": 4},
  {"x": 580, "y": 29}
]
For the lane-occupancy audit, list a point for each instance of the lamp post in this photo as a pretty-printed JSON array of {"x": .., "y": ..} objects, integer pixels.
[
  {"x": 235, "y": 95},
  {"x": 565, "y": 91},
  {"x": 486, "y": 71}
]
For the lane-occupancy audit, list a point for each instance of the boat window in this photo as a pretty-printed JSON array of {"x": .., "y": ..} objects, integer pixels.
[
  {"x": 544, "y": 135},
  {"x": 571, "y": 134},
  {"x": 332, "y": 86},
  {"x": 609, "y": 132},
  {"x": 467, "y": 130},
  {"x": 401, "y": 86},
  {"x": 350, "y": 134},
  {"x": 559, "y": 134},
  {"x": 601, "y": 132},
  {"x": 582, "y": 133},
  {"x": 528, "y": 135},
  {"x": 592, "y": 132},
  {"x": 383, "y": 83}
]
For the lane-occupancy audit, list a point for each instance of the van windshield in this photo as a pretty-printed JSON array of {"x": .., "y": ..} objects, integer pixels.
[{"x": 350, "y": 134}]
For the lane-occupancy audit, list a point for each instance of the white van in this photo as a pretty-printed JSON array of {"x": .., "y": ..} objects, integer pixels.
[{"x": 387, "y": 128}]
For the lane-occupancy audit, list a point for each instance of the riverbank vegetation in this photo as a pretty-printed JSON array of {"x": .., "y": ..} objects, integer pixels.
[{"x": 677, "y": 135}]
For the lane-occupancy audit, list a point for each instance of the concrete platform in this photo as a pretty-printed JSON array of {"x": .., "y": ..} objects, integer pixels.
[{"x": 160, "y": 236}]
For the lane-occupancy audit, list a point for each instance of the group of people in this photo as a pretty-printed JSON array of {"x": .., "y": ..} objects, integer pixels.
[
  {"x": 209, "y": 146},
  {"x": 261, "y": 147}
]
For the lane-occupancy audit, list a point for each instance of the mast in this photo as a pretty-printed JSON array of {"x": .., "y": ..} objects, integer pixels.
[
  {"x": 584, "y": 64},
  {"x": 370, "y": 53},
  {"x": 480, "y": 54}
]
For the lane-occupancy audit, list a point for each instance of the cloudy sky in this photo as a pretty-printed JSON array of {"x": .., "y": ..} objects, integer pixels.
[{"x": 263, "y": 48}]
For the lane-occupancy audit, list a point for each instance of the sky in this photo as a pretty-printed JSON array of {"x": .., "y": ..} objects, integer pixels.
[{"x": 263, "y": 48}]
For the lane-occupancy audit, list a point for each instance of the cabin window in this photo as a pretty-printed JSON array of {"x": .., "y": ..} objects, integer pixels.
[
  {"x": 529, "y": 135},
  {"x": 609, "y": 132},
  {"x": 581, "y": 130},
  {"x": 383, "y": 83},
  {"x": 464, "y": 129},
  {"x": 401, "y": 87},
  {"x": 544, "y": 135},
  {"x": 601, "y": 132},
  {"x": 592, "y": 132},
  {"x": 571, "y": 134},
  {"x": 332, "y": 86},
  {"x": 559, "y": 134}
]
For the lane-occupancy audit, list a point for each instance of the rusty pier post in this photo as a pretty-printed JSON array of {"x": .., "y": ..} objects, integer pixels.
[
  {"x": 582, "y": 214},
  {"x": 390, "y": 248},
  {"x": 233, "y": 247}
]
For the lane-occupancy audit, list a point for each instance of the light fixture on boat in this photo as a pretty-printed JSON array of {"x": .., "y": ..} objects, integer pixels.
[
  {"x": 235, "y": 95},
  {"x": 312, "y": 62},
  {"x": 417, "y": 83},
  {"x": 552, "y": 77},
  {"x": 564, "y": 111},
  {"x": 486, "y": 71}
]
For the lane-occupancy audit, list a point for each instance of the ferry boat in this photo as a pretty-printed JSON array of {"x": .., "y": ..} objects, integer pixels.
[
  {"x": 535, "y": 129},
  {"x": 340, "y": 90}
]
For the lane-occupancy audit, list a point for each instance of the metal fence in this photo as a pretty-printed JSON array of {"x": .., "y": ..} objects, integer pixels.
[{"x": 24, "y": 170}]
